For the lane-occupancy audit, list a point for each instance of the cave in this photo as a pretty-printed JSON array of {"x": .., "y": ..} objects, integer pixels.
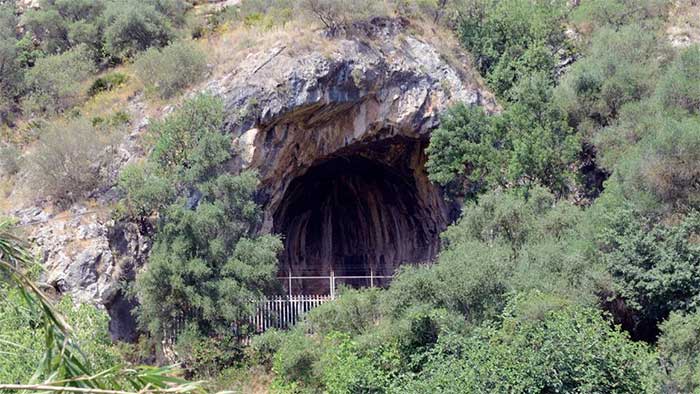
[{"x": 363, "y": 211}]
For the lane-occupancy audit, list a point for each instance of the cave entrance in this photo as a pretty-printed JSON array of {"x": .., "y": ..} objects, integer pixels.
[{"x": 361, "y": 212}]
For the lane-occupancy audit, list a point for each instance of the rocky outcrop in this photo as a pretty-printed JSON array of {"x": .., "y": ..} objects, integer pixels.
[
  {"x": 336, "y": 132},
  {"x": 338, "y": 136}
]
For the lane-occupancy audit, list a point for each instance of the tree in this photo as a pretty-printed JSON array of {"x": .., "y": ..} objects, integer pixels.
[
  {"x": 679, "y": 350},
  {"x": 679, "y": 87},
  {"x": 513, "y": 38},
  {"x": 568, "y": 349},
  {"x": 655, "y": 266},
  {"x": 206, "y": 264},
  {"x": 133, "y": 26},
  {"x": 54, "y": 83},
  {"x": 529, "y": 143}
]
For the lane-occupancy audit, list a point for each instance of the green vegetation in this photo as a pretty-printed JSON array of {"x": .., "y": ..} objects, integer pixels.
[
  {"x": 574, "y": 266},
  {"x": 199, "y": 270},
  {"x": 170, "y": 70},
  {"x": 54, "y": 83},
  {"x": 72, "y": 158},
  {"x": 62, "y": 362}
]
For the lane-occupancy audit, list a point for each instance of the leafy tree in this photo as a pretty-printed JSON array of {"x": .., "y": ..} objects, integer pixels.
[
  {"x": 529, "y": 143},
  {"x": 679, "y": 87},
  {"x": 466, "y": 144},
  {"x": 679, "y": 349},
  {"x": 569, "y": 349},
  {"x": 654, "y": 265},
  {"x": 200, "y": 269},
  {"x": 513, "y": 38},
  {"x": 54, "y": 84}
]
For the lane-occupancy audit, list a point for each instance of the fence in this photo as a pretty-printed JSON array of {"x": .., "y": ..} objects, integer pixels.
[{"x": 281, "y": 312}]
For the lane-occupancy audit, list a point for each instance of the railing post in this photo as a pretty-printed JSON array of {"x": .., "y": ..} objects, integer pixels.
[
  {"x": 371, "y": 277},
  {"x": 290, "y": 284},
  {"x": 332, "y": 280}
]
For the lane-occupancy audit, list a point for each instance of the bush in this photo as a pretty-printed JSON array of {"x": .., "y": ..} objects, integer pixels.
[
  {"x": 294, "y": 364},
  {"x": 679, "y": 87},
  {"x": 339, "y": 13},
  {"x": 514, "y": 38},
  {"x": 22, "y": 341},
  {"x": 71, "y": 159},
  {"x": 9, "y": 160},
  {"x": 108, "y": 82},
  {"x": 679, "y": 349},
  {"x": 654, "y": 265},
  {"x": 262, "y": 348},
  {"x": 135, "y": 25},
  {"x": 204, "y": 357},
  {"x": 11, "y": 75},
  {"x": 54, "y": 84},
  {"x": 199, "y": 269},
  {"x": 145, "y": 191},
  {"x": 529, "y": 143},
  {"x": 621, "y": 66},
  {"x": 571, "y": 349},
  {"x": 168, "y": 71}
]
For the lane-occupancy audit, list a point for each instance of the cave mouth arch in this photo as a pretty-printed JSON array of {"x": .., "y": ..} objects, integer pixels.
[{"x": 365, "y": 210}]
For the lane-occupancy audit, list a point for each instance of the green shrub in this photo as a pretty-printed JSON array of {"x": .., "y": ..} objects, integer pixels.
[
  {"x": 339, "y": 13},
  {"x": 353, "y": 312},
  {"x": 571, "y": 349},
  {"x": 168, "y": 71},
  {"x": 679, "y": 349},
  {"x": 71, "y": 159},
  {"x": 54, "y": 84},
  {"x": 593, "y": 15},
  {"x": 135, "y": 25},
  {"x": 621, "y": 66},
  {"x": 653, "y": 265},
  {"x": 204, "y": 357},
  {"x": 11, "y": 74},
  {"x": 108, "y": 82},
  {"x": 679, "y": 87},
  {"x": 529, "y": 143},
  {"x": 295, "y": 363},
  {"x": 198, "y": 267},
  {"x": 465, "y": 144},
  {"x": 513, "y": 38},
  {"x": 145, "y": 191},
  {"x": 262, "y": 348},
  {"x": 22, "y": 339}
]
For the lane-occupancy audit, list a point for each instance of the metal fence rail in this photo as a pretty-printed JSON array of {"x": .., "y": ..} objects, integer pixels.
[{"x": 282, "y": 312}]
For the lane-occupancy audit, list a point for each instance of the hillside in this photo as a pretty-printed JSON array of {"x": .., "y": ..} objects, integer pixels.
[{"x": 471, "y": 196}]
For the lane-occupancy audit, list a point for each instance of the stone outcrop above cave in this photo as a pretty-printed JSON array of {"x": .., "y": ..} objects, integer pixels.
[
  {"x": 289, "y": 108},
  {"x": 337, "y": 133}
]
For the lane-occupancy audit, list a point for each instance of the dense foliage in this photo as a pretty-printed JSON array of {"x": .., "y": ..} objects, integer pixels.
[{"x": 207, "y": 263}]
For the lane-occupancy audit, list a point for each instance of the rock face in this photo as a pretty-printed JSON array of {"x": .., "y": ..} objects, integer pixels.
[
  {"x": 338, "y": 137},
  {"x": 337, "y": 133}
]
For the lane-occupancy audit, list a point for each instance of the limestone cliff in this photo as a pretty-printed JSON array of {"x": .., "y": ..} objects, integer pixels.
[{"x": 337, "y": 134}]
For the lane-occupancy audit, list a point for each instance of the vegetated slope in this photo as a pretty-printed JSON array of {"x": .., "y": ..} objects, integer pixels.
[{"x": 574, "y": 266}]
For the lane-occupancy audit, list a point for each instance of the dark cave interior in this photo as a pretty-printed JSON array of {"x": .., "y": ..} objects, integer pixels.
[{"x": 362, "y": 212}]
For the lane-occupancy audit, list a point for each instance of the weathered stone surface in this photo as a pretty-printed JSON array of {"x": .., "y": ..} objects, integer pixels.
[
  {"x": 371, "y": 100},
  {"x": 360, "y": 109}
]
